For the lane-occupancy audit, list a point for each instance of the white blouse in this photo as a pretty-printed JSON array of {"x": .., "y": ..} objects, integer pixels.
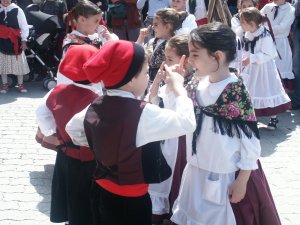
[{"x": 215, "y": 152}]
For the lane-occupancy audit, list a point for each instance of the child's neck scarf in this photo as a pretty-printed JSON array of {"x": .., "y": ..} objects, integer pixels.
[{"x": 232, "y": 113}]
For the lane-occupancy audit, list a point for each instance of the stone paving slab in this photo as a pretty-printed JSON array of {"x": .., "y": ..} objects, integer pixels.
[{"x": 26, "y": 168}]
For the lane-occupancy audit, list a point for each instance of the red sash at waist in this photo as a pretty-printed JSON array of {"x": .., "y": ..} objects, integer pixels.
[{"x": 12, "y": 35}]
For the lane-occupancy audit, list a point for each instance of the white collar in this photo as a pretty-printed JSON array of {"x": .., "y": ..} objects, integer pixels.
[
  {"x": 77, "y": 33},
  {"x": 251, "y": 35},
  {"x": 120, "y": 93},
  {"x": 89, "y": 87}
]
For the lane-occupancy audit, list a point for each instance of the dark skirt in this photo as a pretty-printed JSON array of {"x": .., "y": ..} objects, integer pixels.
[
  {"x": 273, "y": 111},
  {"x": 71, "y": 185},
  {"x": 258, "y": 207},
  {"x": 119, "y": 210}
]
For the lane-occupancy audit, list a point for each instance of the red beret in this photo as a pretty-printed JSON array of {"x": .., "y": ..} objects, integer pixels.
[
  {"x": 116, "y": 63},
  {"x": 72, "y": 63}
]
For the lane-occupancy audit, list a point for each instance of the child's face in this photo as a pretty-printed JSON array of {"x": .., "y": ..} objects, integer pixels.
[
  {"x": 179, "y": 5},
  {"x": 250, "y": 27},
  {"x": 171, "y": 56},
  {"x": 88, "y": 25},
  {"x": 5, "y": 3},
  {"x": 199, "y": 59},
  {"x": 247, "y": 4},
  {"x": 161, "y": 30},
  {"x": 140, "y": 82}
]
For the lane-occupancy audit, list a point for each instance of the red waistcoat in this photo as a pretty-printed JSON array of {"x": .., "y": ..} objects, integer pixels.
[{"x": 64, "y": 102}]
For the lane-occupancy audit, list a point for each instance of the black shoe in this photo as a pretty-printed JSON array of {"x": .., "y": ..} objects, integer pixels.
[{"x": 272, "y": 125}]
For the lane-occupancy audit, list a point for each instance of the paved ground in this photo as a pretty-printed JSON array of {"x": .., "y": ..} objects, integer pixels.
[{"x": 26, "y": 168}]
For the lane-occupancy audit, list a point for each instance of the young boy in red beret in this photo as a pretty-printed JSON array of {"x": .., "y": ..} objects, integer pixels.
[
  {"x": 72, "y": 178},
  {"x": 124, "y": 132}
]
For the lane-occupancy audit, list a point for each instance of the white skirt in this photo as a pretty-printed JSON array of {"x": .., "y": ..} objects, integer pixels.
[
  {"x": 203, "y": 198},
  {"x": 10, "y": 64},
  {"x": 159, "y": 193},
  {"x": 284, "y": 64},
  {"x": 264, "y": 85}
]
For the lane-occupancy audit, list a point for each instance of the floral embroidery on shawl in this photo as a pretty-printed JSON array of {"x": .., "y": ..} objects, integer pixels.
[
  {"x": 232, "y": 113},
  {"x": 72, "y": 39},
  {"x": 157, "y": 57}
]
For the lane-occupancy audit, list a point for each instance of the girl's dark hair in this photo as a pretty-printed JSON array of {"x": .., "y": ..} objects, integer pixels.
[
  {"x": 252, "y": 14},
  {"x": 171, "y": 16},
  {"x": 180, "y": 44},
  {"x": 83, "y": 8},
  {"x": 215, "y": 37},
  {"x": 240, "y": 2}
]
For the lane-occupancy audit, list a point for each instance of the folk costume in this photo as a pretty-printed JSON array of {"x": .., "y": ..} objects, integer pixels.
[
  {"x": 13, "y": 30},
  {"x": 76, "y": 38},
  {"x": 225, "y": 140},
  {"x": 157, "y": 47},
  {"x": 72, "y": 178},
  {"x": 232, "y": 118},
  {"x": 281, "y": 18},
  {"x": 125, "y": 141},
  {"x": 261, "y": 75},
  {"x": 199, "y": 9}
]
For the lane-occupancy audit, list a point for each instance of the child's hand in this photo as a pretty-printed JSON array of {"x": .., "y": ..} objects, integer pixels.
[
  {"x": 245, "y": 62},
  {"x": 145, "y": 31},
  {"x": 160, "y": 76},
  {"x": 237, "y": 191},
  {"x": 174, "y": 78},
  {"x": 23, "y": 46}
]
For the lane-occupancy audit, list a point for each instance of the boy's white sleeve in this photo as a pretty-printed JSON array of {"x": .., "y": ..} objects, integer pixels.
[
  {"x": 159, "y": 124},
  {"x": 285, "y": 25},
  {"x": 75, "y": 128},
  {"x": 44, "y": 118}
]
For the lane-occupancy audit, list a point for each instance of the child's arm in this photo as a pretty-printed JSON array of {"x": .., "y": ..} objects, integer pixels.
[
  {"x": 44, "y": 118},
  {"x": 238, "y": 188},
  {"x": 156, "y": 83},
  {"x": 285, "y": 24},
  {"x": 23, "y": 27},
  {"x": 143, "y": 33},
  {"x": 267, "y": 51},
  {"x": 236, "y": 27}
]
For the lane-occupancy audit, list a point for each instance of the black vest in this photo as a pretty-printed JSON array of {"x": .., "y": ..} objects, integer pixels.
[
  {"x": 6, "y": 46},
  {"x": 111, "y": 125}
]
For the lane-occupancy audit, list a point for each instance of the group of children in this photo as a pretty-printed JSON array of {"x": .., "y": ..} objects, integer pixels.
[
  {"x": 184, "y": 146},
  {"x": 161, "y": 129}
]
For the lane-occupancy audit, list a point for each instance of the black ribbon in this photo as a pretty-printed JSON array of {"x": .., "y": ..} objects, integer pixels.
[{"x": 276, "y": 7}]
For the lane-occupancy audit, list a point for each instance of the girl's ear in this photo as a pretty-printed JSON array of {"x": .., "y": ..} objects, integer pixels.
[
  {"x": 81, "y": 19},
  {"x": 220, "y": 56},
  {"x": 169, "y": 27}
]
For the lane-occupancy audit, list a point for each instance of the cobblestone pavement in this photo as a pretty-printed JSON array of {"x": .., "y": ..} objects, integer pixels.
[{"x": 26, "y": 168}]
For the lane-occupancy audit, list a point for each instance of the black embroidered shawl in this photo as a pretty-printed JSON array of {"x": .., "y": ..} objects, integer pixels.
[{"x": 232, "y": 113}]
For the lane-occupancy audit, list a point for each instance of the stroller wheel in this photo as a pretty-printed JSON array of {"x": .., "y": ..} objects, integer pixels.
[
  {"x": 50, "y": 84},
  {"x": 44, "y": 82},
  {"x": 28, "y": 77},
  {"x": 12, "y": 80}
]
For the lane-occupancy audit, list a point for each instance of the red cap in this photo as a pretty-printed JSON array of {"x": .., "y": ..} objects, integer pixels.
[
  {"x": 72, "y": 63},
  {"x": 116, "y": 63}
]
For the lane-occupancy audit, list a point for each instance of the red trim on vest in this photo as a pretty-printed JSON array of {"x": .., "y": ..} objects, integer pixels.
[
  {"x": 135, "y": 190},
  {"x": 12, "y": 35},
  {"x": 202, "y": 21}
]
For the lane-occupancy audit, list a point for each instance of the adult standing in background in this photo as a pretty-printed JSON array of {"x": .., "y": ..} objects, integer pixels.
[{"x": 127, "y": 28}]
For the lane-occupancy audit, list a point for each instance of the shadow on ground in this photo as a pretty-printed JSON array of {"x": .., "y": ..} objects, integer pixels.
[
  {"x": 41, "y": 181},
  {"x": 270, "y": 139},
  {"x": 35, "y": 90}
]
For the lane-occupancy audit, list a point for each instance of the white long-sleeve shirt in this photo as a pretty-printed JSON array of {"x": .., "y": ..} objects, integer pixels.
[
  {"x": 155, "y": 123},
  {"x": 21, "y": 19}
]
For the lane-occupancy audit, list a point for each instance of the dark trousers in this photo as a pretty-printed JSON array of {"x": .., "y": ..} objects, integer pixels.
[
  {"x": 71, "y": 185},
  {"x": 118, "y": 210}
]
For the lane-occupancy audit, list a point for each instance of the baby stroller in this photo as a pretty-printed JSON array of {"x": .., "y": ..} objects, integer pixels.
[{"x": 41, "y": 46}]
